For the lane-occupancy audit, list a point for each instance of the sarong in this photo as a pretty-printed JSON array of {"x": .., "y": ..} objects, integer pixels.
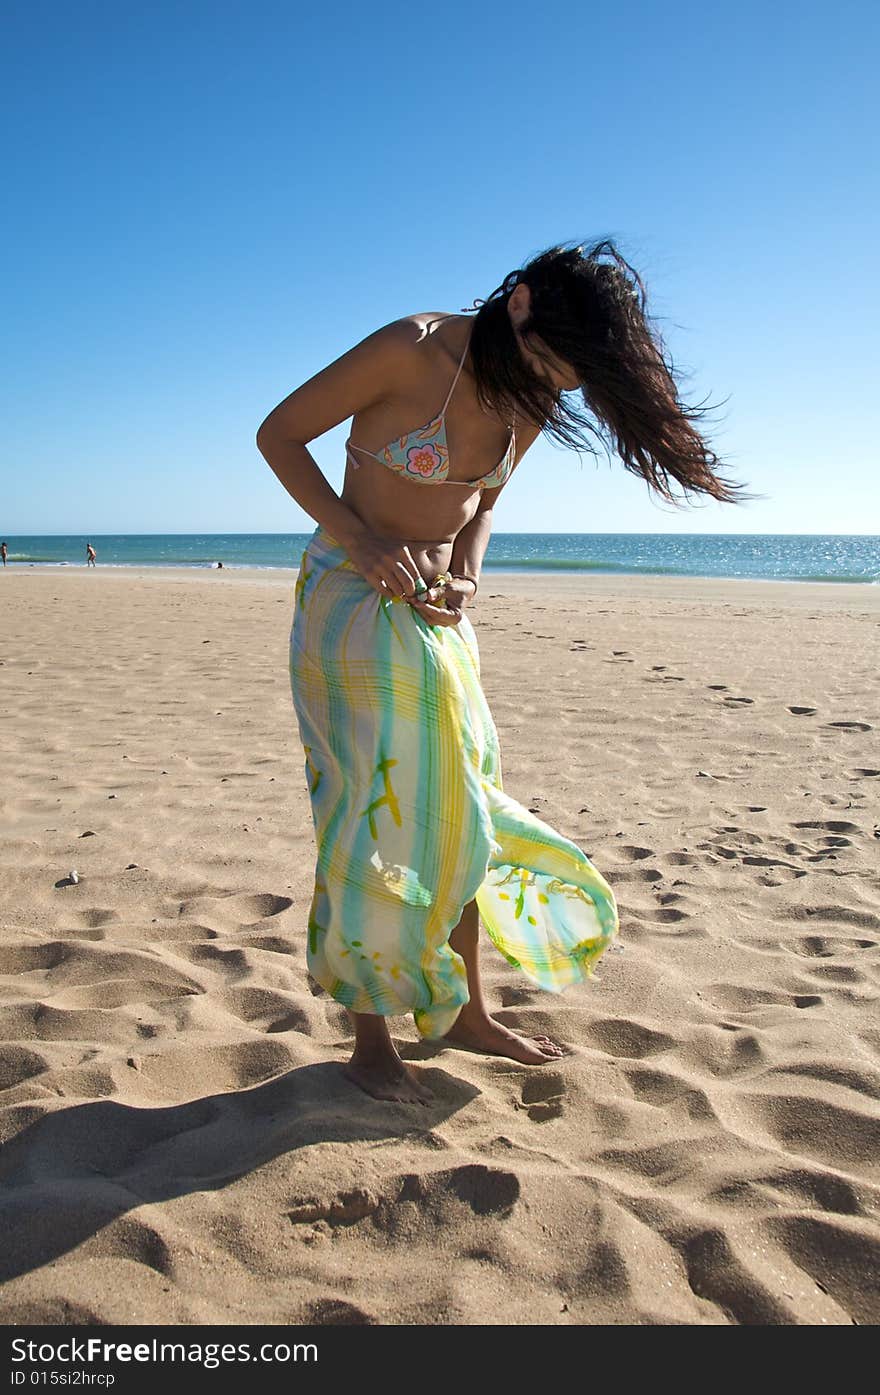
[{"x": 411, "y": 822}]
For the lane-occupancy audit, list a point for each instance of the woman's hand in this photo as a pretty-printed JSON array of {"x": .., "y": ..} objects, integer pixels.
[
  {"x": 445, "y": 605},
  {"x": 387, "y": 565}
]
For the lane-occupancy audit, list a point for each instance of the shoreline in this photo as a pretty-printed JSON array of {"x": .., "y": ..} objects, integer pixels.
[{"x": 863, "y": 596}]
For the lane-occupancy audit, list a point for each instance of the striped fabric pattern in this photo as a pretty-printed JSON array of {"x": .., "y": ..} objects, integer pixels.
[{"x": 411, "y": 821}]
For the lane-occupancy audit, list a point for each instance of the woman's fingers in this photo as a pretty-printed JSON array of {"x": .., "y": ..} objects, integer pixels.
[
  {"x": 389, "y": 567},
  {"x": 413, "y": 574},
  {"x": 400, "y": 575},
  {"x": 393, "y": 582},
  {"x": 436, "y": 615},
  {"x": 408, "y": 576}
]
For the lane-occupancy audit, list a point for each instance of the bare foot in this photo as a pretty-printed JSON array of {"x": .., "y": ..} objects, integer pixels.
[
  {"x": 387, "y": 1078},
  {"x": 491, "y": 1037}
]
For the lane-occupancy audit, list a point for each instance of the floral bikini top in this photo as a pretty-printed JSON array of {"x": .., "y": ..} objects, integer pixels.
[{"x": 423, "y": 455}]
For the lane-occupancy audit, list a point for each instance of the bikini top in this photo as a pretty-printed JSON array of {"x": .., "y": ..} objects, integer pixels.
[{"x": 422, "y": 456}]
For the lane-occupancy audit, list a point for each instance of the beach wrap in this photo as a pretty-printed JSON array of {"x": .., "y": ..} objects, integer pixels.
[{"x": 411, "y": 822}]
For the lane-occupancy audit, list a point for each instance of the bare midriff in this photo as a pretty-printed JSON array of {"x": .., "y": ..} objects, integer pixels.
[{"x": 427, "y": 518}]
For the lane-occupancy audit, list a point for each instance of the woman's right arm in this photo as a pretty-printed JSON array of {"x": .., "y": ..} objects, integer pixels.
[{"x": 360, "y": 378}]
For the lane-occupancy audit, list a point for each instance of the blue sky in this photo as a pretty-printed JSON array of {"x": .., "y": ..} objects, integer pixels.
[{"x": 207, "y": 203}]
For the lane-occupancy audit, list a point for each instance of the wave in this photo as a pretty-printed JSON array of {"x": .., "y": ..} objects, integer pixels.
[
  {"x": 34, "y": 558},
  {"x": 559, "y": 564},
  {"x": 851, "y": 580},
  {"x": 550, "y": 564},
  {"x": 157, "y": 562}
]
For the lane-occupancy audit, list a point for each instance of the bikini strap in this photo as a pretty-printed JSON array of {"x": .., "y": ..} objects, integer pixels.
[
  {"x": 350, "y": 446},
  {"x": 458, "y": 371}
]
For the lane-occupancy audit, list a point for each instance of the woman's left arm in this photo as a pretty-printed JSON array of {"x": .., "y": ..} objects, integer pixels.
[{"x": 470, "y": 544}]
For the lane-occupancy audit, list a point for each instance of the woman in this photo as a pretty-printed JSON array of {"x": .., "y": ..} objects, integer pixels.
[{"x": 416, "y": 839}]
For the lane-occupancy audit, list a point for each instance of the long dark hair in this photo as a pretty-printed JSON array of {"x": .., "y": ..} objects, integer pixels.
[{"x": 589, "y": 307}]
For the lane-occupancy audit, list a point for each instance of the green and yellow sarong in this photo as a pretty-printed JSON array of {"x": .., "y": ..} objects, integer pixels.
[{"x": 411, "y": 822}]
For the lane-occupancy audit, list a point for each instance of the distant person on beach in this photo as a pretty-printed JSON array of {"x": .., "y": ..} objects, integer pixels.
[
  {"x": 90, "y": 555},
  {"x": 3, "y": 552},
  {"x": 416, "y": 839}
]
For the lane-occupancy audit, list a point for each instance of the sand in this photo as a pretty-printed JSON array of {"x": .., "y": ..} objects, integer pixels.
[{"x": 180, "y": 1145}]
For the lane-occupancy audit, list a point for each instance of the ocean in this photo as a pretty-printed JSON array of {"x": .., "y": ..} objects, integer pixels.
[{"x": 774, "y": 557}]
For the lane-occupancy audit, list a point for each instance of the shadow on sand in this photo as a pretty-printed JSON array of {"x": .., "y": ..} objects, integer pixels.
[{"x": 74, "y": 1170}]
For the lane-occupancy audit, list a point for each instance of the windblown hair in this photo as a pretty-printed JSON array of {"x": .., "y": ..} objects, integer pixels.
[{"x": 589, "y": 308}]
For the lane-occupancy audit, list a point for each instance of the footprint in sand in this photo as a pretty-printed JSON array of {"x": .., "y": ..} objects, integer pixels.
[
  {"x": 834, "y": 1134},
  {"x": 673, "y": 907},
  {"x": 266, "y": 1010},
  {"x": 815, "y": 946},
  {"x": 236, "y": 910},
  {"x": 850, "y": 726},
  {"x": 23, "y": 958},
  {"x": 345, "y": 1208},
  {"x": 830, "y": 825},
  {"x": 652, "y": 1086},
  {"x": 18, "y": 1063},
  {"x": 331, "y": 1311},
  {"x": 92, "y": 919},
  {"x": 273, "y": 944},
  {"x": 637, "y": 874},
  {"x": 803, "y": 711},
  {"x": 780, "y": 878},
  {"x": 865, "y": 1081},
  {"x": 543, "y": 1096},
  {"x": 668, "y": 915},
  {"x": 738, "y": 702},
  {"x": 663, "y": 1162},
  {"x": 744, "y": 835},
  {"x": 822, "y": 947},
  {"x": 485, "y": 1191},
  {"x": 732, "y": 997},
  {"x": 216, "y": 956},
  {"x": 838, "y": 973},
  {"x": 716, "y": 850},
  {"x": 661, "y": 1089},
  {"x": 620, "y": 1036},
  {"x": 121, "y": 993},
  {"x": 863, "y": 920},
  {"x": 513, "y": 995},
  {"x": 755, "y": 861}
]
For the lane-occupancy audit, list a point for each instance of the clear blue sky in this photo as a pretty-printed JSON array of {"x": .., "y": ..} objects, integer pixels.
[{"x": 206, "y": 203}]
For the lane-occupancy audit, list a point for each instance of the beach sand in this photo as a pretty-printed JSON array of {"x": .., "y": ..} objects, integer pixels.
[{"x": 180, "y": 1145}]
